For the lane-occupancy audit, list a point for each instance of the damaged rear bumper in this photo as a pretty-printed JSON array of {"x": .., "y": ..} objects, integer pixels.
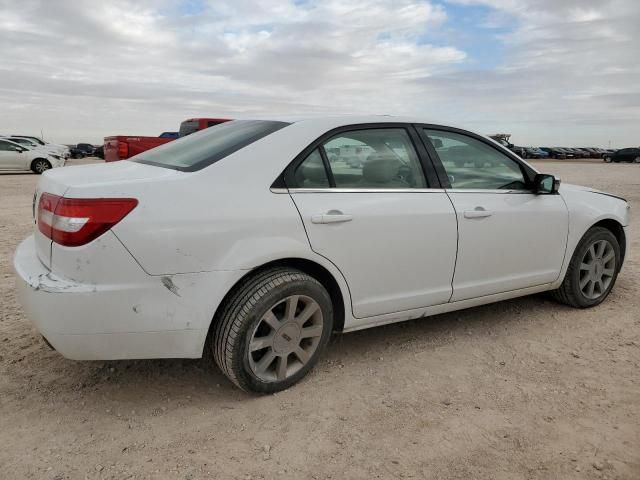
[{"x": 142, "y": 316}]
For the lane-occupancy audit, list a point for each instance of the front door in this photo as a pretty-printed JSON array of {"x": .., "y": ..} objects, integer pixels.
[
  {"x": 11, "y": 157},
  {"x": 509, "y": 237},
  {"x": 366, "y": 207}
]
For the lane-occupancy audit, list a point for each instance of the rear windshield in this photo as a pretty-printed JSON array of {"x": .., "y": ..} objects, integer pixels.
[{"x": 205, "y": 147}]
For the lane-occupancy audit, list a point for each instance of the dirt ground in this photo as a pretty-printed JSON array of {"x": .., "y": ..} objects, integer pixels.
[{"x": 523, "y": 389}]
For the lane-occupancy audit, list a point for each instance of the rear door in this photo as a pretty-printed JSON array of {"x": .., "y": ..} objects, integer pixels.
[
  {"x": 367, "y": 207},
  {"x": 509, "y": 237}
]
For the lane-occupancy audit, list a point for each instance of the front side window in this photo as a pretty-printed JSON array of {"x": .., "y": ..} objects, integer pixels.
[
  {"x": 472, "y": 164},
  {"x": 208, "y": 146}
]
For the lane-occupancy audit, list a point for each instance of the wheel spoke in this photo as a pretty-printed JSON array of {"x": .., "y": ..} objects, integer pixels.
[
  {"x": 265, "y": 361},
  {"x": 585, "y": 266},
  {"x": 270, "y": 319},
  {"x": 292, "y": 305},
  {"x": 281, "y": 371},
  {"x": 312, "y": 331},
  {"x": 608, "y": 272},
  {"x": 600, "y": 286},
  {"x": 584, "y": 281},
  {"x": 260, "y": 343},
  {"x": 302, "y": 354},
  {"x": 600, "y": 246},
  {"x": 592, "y": 252},
  {"x": 609, "y": 256},
  {"x": 590, "y": 287},
  {"x": 307, "y": 313}
]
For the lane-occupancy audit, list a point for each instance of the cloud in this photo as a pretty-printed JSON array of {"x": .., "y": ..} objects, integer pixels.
[{"x": 564, "y": 71}]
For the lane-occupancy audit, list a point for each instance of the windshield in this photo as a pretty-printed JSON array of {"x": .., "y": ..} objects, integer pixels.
[{"x": 205, "y": 147}]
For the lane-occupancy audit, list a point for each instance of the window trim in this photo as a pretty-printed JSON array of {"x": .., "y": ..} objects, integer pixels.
[
  {"x": 287, "y": 178},
  {"x": 527, "y": 172}
]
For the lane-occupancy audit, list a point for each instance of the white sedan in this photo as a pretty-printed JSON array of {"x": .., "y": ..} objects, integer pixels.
[
  {"x": 14, "y": 156},
  {"x": 253, "y": 240}
]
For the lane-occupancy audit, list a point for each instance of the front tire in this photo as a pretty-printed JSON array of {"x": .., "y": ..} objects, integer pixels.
[
  {"x": 40, "y": 165},
  {"x": 593, "y": 270},
  {"x": 272, "y": 329},
  {"x": 636, "y": 160}
]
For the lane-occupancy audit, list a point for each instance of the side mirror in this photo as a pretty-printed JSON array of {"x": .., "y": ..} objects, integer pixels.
[{"x": 546, "y": 184}]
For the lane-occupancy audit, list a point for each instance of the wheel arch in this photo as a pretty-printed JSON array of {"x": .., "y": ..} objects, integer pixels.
[
  {"x": 617, "y": 230},
  {"x": 310, "y": 267}
]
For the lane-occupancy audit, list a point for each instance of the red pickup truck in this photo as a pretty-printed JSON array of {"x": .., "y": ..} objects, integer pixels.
[{"x": 121, "y": 147}]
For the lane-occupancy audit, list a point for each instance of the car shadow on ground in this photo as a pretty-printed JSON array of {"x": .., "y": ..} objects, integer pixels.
[{"x": 142, "y": 382}]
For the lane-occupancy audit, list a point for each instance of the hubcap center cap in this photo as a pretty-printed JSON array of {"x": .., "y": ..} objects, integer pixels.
[{"x": 287, "y": 338}]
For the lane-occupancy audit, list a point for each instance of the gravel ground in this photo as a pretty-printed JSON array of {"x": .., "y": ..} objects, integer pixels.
[{"x": 523, "y": 389}]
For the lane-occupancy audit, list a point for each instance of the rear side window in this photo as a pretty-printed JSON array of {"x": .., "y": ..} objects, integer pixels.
[
  {"x": 311, "y": 172},
  {"x": 381, "y": 158},
  {"x": 208, "y": 146}
]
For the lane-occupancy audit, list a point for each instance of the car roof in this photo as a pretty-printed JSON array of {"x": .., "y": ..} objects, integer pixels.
[{"x": 335, "y": 121}]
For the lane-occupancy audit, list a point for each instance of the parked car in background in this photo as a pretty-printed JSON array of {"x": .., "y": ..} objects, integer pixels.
[
  {"x": 624, "y": 155},
  {"x": 593, "y": 152},
  {"x": 568, "y": 153},
  {"x": 580, "y": 153},
  {"x": 61, "y": 150},
  {"x": 82, "y": 150},
  {"x": 193, "y": 125},
  {"x": 554, "y": 152},
  {"x": 31, "y": 145},
  {"x": 14, "y": 156},
  {"x": 99, "y": 152},
  {"x": 121, "y": 147},
  {"x": 534, "y": 152},
  {"x": 237, "y": 242}
]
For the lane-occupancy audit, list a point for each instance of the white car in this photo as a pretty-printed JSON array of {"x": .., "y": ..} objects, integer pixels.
[
  {"x": 246, "y": 241},
  {"x": 14, "y": 156},
  {"x": 32, "y": 145},
  {"x": 62, "y": 150}
]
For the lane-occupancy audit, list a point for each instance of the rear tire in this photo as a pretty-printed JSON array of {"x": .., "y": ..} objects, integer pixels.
[
  {"x": 40, "y": 165},
  {"x": 636, "y": 160},
  {"x": 592, "y": 271},
  {"x": 272, "y": 329}
]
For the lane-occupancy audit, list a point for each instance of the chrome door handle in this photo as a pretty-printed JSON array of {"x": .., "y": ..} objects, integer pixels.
[
  {"x": 333, "y": 216},
  {"x": 478, "y": 212}
]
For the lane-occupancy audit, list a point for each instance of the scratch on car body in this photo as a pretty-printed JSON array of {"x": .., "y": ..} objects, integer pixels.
[{"x": 168, "y": 283}]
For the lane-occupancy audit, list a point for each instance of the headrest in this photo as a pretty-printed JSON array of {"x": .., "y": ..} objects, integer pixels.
[{"x": 379, "y": 168}]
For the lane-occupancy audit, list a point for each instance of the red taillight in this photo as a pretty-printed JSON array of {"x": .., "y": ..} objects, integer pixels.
[
  {"x": 76, "y": 221},
  {"x": 123, "y": 150}
]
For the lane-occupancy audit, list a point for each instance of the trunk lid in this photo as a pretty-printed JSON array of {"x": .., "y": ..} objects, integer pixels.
[{"x": 90, "y": 181}]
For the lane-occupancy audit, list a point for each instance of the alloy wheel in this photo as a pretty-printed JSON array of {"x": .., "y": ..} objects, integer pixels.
[
  {"x": 285, "y": 338},
  {"x": 41, "y": 166},
  {"x": 597, "y": 269}
]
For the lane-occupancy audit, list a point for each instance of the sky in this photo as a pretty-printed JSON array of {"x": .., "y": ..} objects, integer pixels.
[{"x": 550, "y": 72}]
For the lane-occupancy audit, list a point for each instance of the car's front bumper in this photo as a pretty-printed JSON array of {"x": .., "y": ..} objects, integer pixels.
[{"x": 144, "y": 317}]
